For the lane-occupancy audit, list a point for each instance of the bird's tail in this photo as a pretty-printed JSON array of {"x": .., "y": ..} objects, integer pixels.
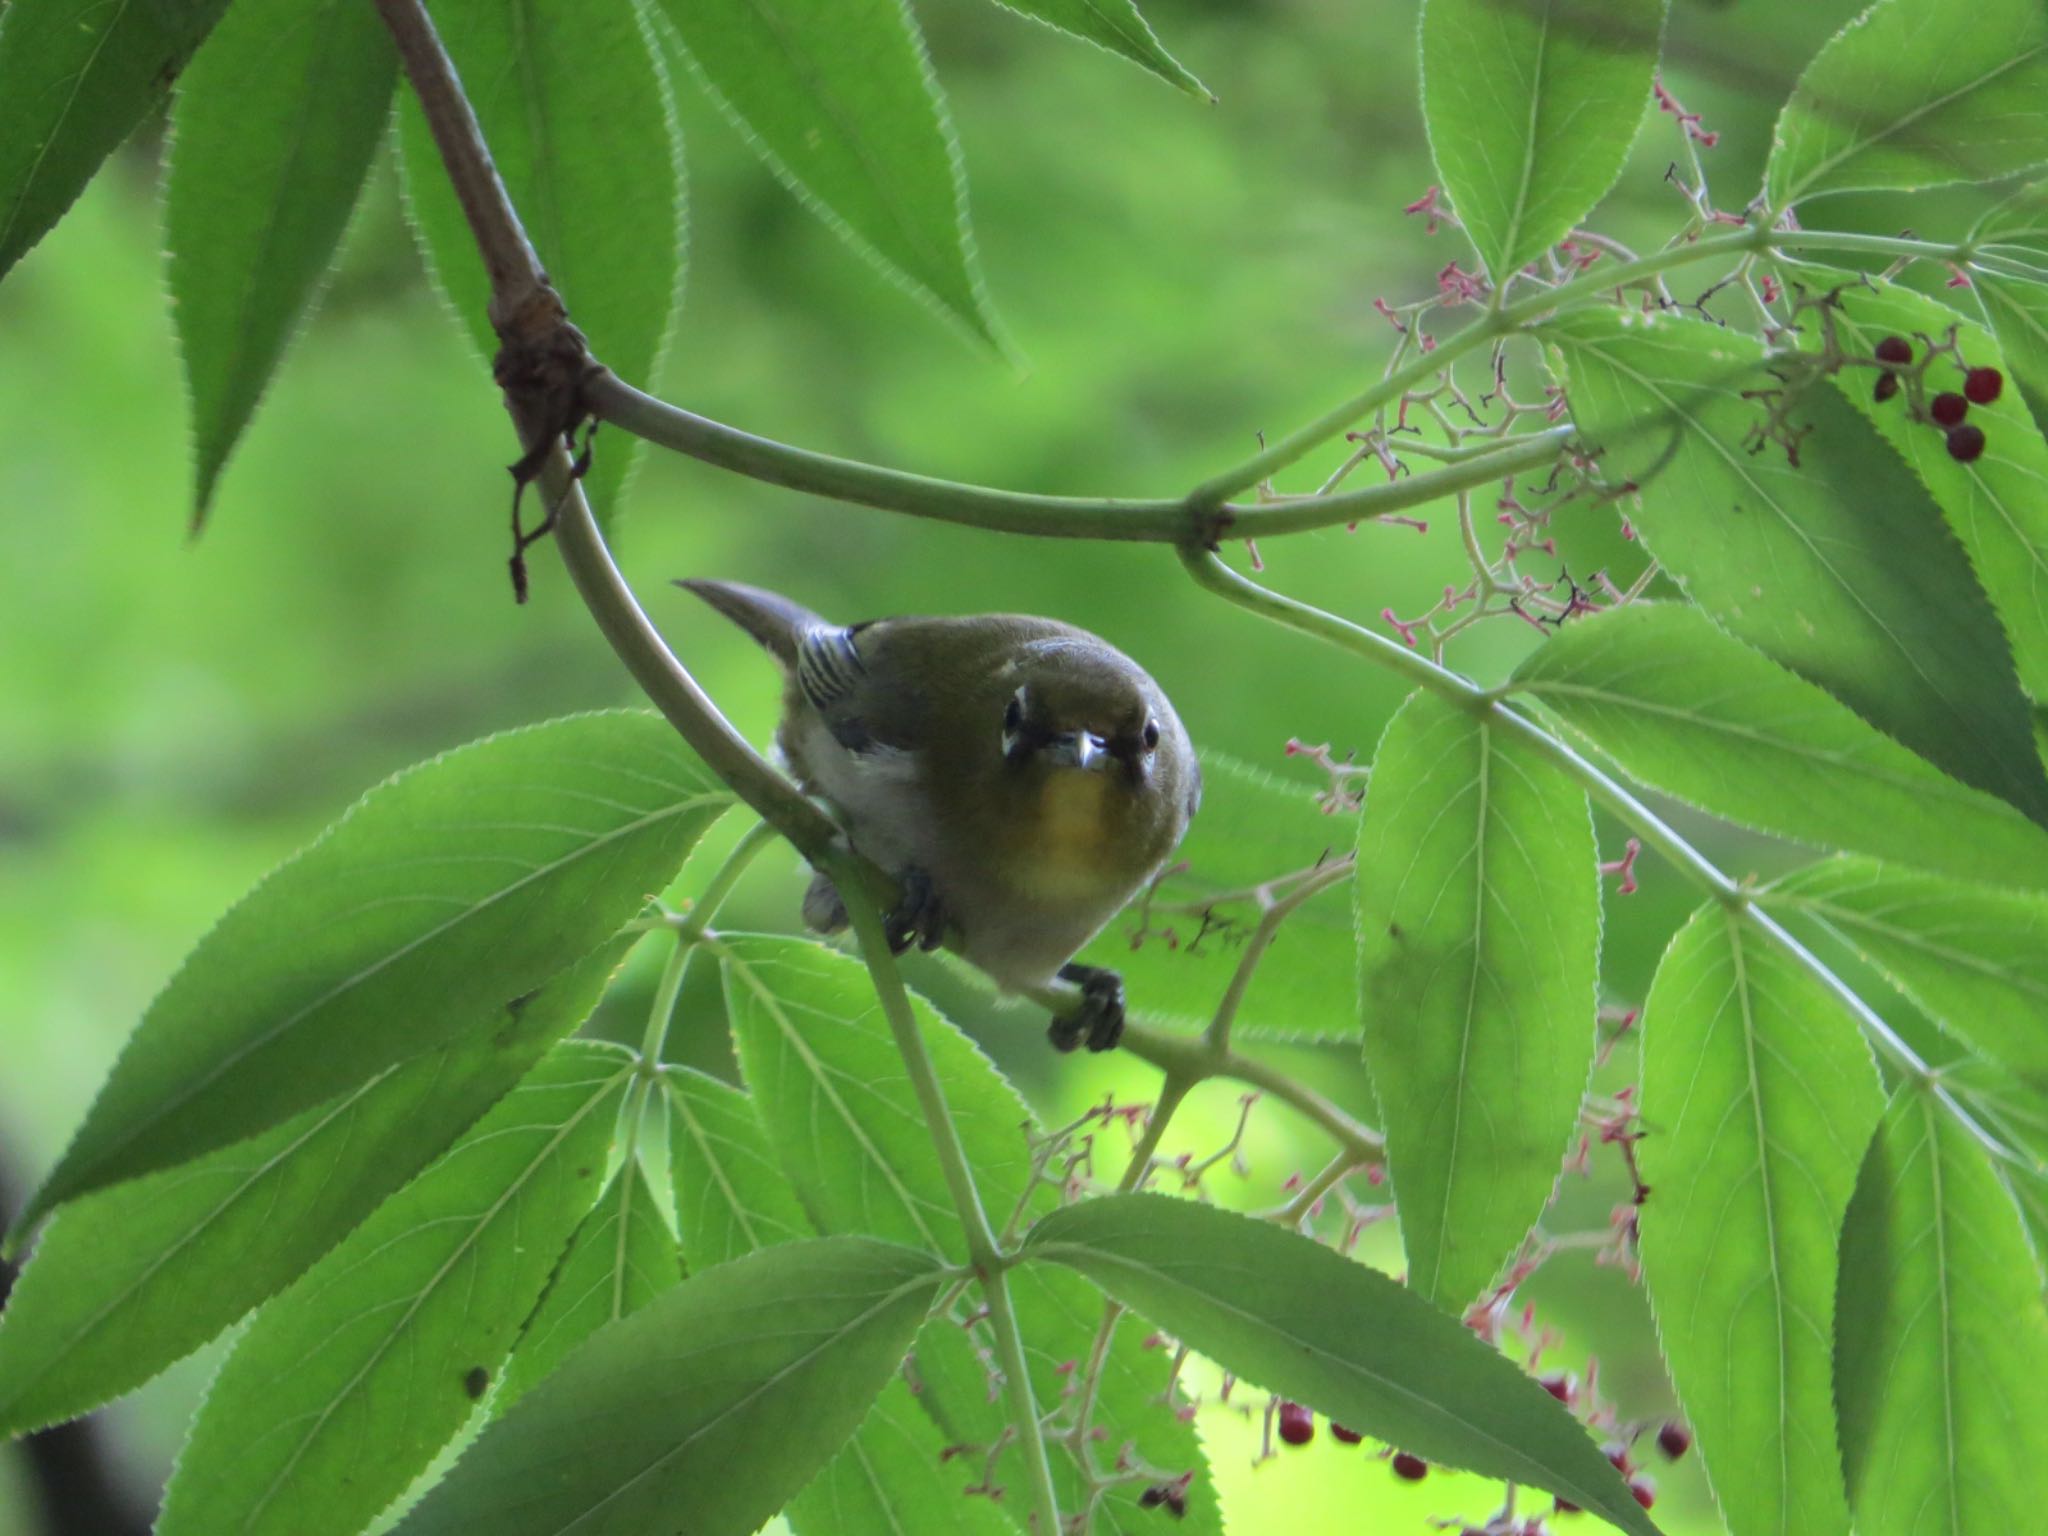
[{"x": 773, "y": 620}]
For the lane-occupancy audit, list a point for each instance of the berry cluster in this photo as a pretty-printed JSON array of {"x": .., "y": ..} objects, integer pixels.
[
  {"x": 1948, "y": 409},
  {"x": 1297, "y": 1426}
]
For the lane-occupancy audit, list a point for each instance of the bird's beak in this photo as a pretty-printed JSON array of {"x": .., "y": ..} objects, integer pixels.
[{"x": 1078, "y": 749}]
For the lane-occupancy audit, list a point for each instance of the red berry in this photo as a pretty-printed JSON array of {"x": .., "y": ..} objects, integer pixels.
[
  {"x": 1965, "y": 443},
  {"x": 1644, "y": 1490},
  {"x": 1983, "y": 385},
  {"x": 1948, "y": 408},
  {"x": 1410, "y": 1468},
  {"x": 1297, "y": 1424},
  {"x": 1674, "y": 1439},
  {"x": 1895, "y": 349},
  {"x": 1617, "y": 1453},
  {"x": 1887, "y": 386},
  {"x": 1348, "y": 1436},
  {"x": 1562, "y": 1386},
  {"x": 1567, "y": 1507}
]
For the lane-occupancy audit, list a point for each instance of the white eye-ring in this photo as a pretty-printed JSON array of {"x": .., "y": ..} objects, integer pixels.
[
  {"x": 1151, "y": 734},
  {"x": 1013, "y": 721}
]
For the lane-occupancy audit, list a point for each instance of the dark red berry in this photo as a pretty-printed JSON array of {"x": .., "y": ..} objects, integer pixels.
[
  {"x": 1348, "y": 1436},
  {"x": 1887, "y": 386},
  {"x": 1895, "y": 349},
  {"x": 1948, "y": 408},
  {"x": 1562, "y": 1386},
  {"x": 1965, "y": 443},
  {"x": 1410, "y": 1468},
  {"x": 1297, "y": 1424},
  {"x": 1674, "y": 1439},
  {"x": 1644, "y": 1490},
  {"x": 1567, "y": 1507},
  {"x": 1983, "y": 385},
  {"x": 1617, "y": 1453}
]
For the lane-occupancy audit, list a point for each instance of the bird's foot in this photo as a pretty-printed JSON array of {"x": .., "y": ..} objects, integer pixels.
[
  {"x": 824, "y": 912},
  {"x": 919, "y": 918},
  {"x": 1099, "y": 1021}
]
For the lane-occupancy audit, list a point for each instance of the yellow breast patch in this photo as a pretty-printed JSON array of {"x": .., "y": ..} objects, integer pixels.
[{"x": 1074, "y": 846}]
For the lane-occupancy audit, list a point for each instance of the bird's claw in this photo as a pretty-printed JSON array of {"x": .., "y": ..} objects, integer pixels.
[
  {"x": 918, "y": 918},
  {"x": 1099, "y": 1021}
]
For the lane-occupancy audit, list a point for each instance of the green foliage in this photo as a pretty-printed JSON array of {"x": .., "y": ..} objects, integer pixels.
[
  {"x": 273, "y": 134},
  {"x": 1116, "y": 26},
  {"x": 721, "y": 1396},
  {"x": 2012, "y": 289},
  {"x": 1940, "y": 1320},
  {"x": 1915, "y": 95},
  {"x": 1478, "y": 945},
  {"x": 1684, "y": 707},
  {"x": 1764, "y": 1099},
  {"x": 303, "y": 1431},
  {"x": 1344, "y": 1339},
  {"x": 1832, "y": 566},
  {"x": 76, "y": 76},
  {"x": 1531, "y": 110},
  {"x": 426, "y": 915}
]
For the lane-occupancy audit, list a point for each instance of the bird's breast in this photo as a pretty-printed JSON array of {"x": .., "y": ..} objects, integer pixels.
[{"x": 1075, "y": 838}]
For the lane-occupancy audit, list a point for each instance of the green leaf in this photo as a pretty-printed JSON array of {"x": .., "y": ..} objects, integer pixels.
[
  {"x": 1762, "y": 1098},
  {"x": 1478, "y": 958},
  {"x": 345, "y": 1387},
  {"x": 837, "y": 97},
  {"x": 621, "y": 1258},
  {"x": 1114, "y": 25},
  {"x": 1178, "y": 949},
  {"x": 2017, "y": 1114},
  {"x": 272, "y": 137},
  {"x": 1942, "y": 1339},
  {"x": 1838, "y": 568},
  {"x": 731, "y": 1198},
  {"x": 2011, "y": 284},
  {"x": 1688, "y": 710},
  {"x": 1295, "y": 1318},
  {"x": 76, "y": 76},
  {"x": 576, "y": 109},
  {"x": 131, "y": 1278},
  {"x": 713, "y": 1403},
  {"x": 1531, "y": 107},
  {"x": 444, "y": 898},
  {"x": 1912, "y": 95},
  {"x": 1974, "y": 960},
  {"x": 893, "y": 1477},
  {"x": 1997, "y": 504}
]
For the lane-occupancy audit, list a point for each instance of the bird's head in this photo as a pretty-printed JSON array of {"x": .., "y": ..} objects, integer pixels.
[{"x": 1074, "y": 707}]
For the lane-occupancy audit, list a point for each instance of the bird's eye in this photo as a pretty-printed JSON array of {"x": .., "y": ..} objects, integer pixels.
[
  {"x": 1151, "y": 734},
  {"x": 1013, "y": 715}
]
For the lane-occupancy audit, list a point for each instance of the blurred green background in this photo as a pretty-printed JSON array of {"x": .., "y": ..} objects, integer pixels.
[{"x": 177, "y": 715}]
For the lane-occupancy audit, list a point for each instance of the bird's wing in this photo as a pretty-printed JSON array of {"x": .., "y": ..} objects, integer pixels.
[{"x": 833, "y": 677}]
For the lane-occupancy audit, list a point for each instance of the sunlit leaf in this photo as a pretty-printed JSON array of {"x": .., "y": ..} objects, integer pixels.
[
  {"x": 839, "y": 100},
  {"x": 1942, "y": 1338},
  {"x": 346, "y": 1385},
  {"x": 1116, "y": 26},
  {"x": 76, "y": 76},
  {"x": 1840, "y": 566},
  {"x": 271, "y": 140},
  {"x": 731, "y": 1198},
  {"x": 129, "y": 1279},
  {"x": 1761, "y": 1098},
  {"x": 1293, "y": 1317},
  {"x": 575, "y": 108},
  {"x": 2011, "y": 285},
  {"x": 1687, "y": 709},
  {"x": 1531, "y": 107},
  {"x": 1478, "y": 951},
  {"x": 622, "y": 1257},
  {"x": 1917, "y": 94},
  {"x": 437, "y": 904},
  {"x": 713, "y": 1403}
]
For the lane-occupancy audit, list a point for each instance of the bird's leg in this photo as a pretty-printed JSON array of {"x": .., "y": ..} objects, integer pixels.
[
  {"x": 1100, "y": 1019},
  {"x": 919, "y": 918},
  {"x": 824, "y": 912}
]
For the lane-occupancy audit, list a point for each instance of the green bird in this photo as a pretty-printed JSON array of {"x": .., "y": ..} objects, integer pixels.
[{"x": 1022, "y": 778}]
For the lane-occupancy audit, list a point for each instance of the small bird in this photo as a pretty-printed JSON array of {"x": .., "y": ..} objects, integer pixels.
[{"x": 1022, "y": 778}]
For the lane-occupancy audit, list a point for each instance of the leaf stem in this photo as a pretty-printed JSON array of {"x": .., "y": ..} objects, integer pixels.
[
  {"x": 723, "y": 879},
  {"x": 666, "y": 991}
]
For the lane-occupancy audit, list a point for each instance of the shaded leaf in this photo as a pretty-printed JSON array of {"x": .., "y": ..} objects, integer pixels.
[
  {"x": 1531, "y": 107},
  {"x": 1689, "y": 710},
  {"x": 837, "y": 97},
  {"x": 1761, "y": 1098},
  {"x": 131, "y": 1278},
  {"x": 1912, "y": 94},
  {"x": 1478, "y": 953},
  {"x": 443, "y": 898},
  {"x": 719, "y": 1397},
  {"x": 894, "y": 1478},
  {"x": 731, "y": 1198},
  {"x": 345, "y": 1387},
  {"x": 272, "y": 137},
  {"x": 76, "y": 76},
  {"x": 1839, "y": 568},
  {"x": 1942, "y": 1339},
  {"x": 2011, "y": 286},
  {"x": 575, "y": 108},
  {"x": 1974, "y": 960},
  {"x": 1116, "y": 26},
  {"x": 1295, "y": 1318}
]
